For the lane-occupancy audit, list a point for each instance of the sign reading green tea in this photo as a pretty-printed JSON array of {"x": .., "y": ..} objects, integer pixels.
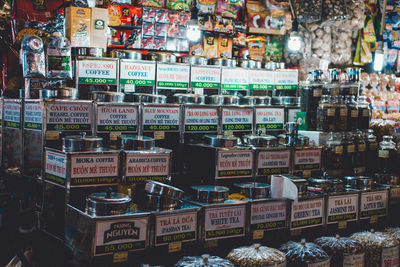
[
  {"x": 224, "y": 222},
  {"x": 137, "y": 73},
  {"x": 268, "y": 215},
  {"x": 149, "y": 166},
  {"x": 273, "y": 162},
  {"x": 374, "y": 204},
  {"x": 234, "y": 164},
  {"x": 201, "y": 119},
  {"x": 173, "y": 76},
  {"x": 234, "y": 79},
  {"x": 270, "y": 118},
  {"x": 342, "y": 208},
  {"x": 237, "y": 119},
  {"x": 116, "y": 118},
  {"x": 69, "y": 116},
  {"x": 205, "y": 77},
  {"x": 286, "y": 79},
  {"x": 261, "y": 80},
  {"x": 307, "y": 213},
  {"x": 97, "y": 71},
  {"x": 161, "y": 118},
  {"x": 12, "y": 114},
  {"x": 55, "y": 167},
  {"x": 307, "y": 159},
  {"x": 33, "y": 116},
  {"x": 126, "y": 234},
  {"x": 180, "y": 227}
]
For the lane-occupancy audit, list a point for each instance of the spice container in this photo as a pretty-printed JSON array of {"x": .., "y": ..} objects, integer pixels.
[
  {"x": 194, "y": 60},
  {"x": 363, "y": 183},
  {"x": 343, "y": 251},
  {"x": 260, "y": 140},
  {"x": 161, "y": 57},
  {"x": 349, "y": 149},
  {"x": 256, "y": 255},
  {"x": 332, "y": 86},
  {"x": 341, "y": 113},
  {"x": 160, "y": 189},
  {"x": 146, "y": 98},
  {"x": 311, "y": 93},
  {"x": 364, "y": 113},
  {"x": 380, "y": 249},
  {"x": 113, "y": 97},
  {"x": 352, "y": 113},
  {"x": 254, "y": 190},
  {"x": 352, "y": 82},
  {"x": 126, "y": 54},
  {"x": 333, "y": 155},
  {"x": 224, "y": 100},
  {"x": 304, "y": 254},
  {"x": 372, "y": 152},
  {"x": 210, "y": 193},
  {"x": 107, "y": 204},
  {"x": 387, "y": 155},
  {"x": 189, "y": 99},
  {"x": 203, "y": 260},
  {"x": 326, "y": 115},
  {"x": 82, "y": 143},
  {"x": 160, "y": 203},
  {"x": 256, "y": 100},
  {"x": 133, "y": 142},
  {"x": 67, "y": 93}
]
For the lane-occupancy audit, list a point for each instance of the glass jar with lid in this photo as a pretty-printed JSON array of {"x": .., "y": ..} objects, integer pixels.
[
  {"x": 349, "y": 149},
  {"x": 311, "y": 91},
  {"x": 333, "y": 154},
  {"x": 387, "y": 155},
  {"x": 351, "y": 85},
  {"x": 341, "y": 113},
  {"x": 364, "y": 113},
  {"x": 332, "y": 86},
  {"x": 360, "y": 155},
  {"x": 352, "y": 113},
  {"x": 326, "y": 115},
  {"x": 372, "y": 152}
]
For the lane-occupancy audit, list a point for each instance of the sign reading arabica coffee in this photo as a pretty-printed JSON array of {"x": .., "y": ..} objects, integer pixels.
[
  {"x": 142, "y": 167},
  {"x": 138, "y": 73},
  {"x": 97, "y": 72}
]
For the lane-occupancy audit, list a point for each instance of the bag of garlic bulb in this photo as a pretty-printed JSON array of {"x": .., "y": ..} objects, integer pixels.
[
  {"x": 320, "y": 41},
  {"x": 355, "y": 19},
  {"x": 341, "y": 46}
]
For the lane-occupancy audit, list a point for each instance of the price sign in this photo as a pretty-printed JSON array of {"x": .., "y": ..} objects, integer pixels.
[
  {"x": 201, "y": 119},
  {"x": 261, "y": 80},
  {"x": 307, "y": 159},
  {"x": 97, "y": 71},
  {"x": 270, "y": 118},
  {"x": 12, "y": 114},
  {"x": 395, "y": 195},
  {"x": 374, "y": 204},
  {"x": 116, "y": 118},
  {"x": 143, "y": 167},
  {"x": 1, "y": 112},
  {"x": 137, "y": 73},
  {"x": 269, "y": 215},
  {"x": 342, "y": 208},
  {"x": 205, "y": 77},
  {"x": 69, "y": 116},
  {"x": 161, "y": 118},
  {"x": 273, "y": 162},
  {"x": 234, "y": 79},
  {"x": 307, "y": 213},
  {"x": 33, "y": 116},
  {"x": 55, "y": 167},
  {"x": 237, "y": 119},
  {"x": 180, "y": 227},
  {"x": 234, "y": 164},
  {"x": 173, "y": 76},
  {"x": 286, "y": 80}
]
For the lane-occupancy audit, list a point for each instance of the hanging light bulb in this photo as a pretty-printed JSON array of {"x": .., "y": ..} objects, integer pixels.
[
  {"x": 379, "y": 57},
  {"x": 294, "y": 41},
  {"x": 193, "y": 32}
]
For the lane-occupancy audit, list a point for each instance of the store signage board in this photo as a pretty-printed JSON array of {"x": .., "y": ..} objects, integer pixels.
[
  {"x": 127, "y": 234},
  {"x": 268, "y": 215},
  {"x": 177, "y": 227},
  {"x": 374, "y": 204},
  {"x": 12, "y": 114},
  {"x": 33, "y": 116},
  {"x": 224, "y": 222},
  {"x": 143, "y": 167},
  {"x": 307, "y": 213},
  {"x": 55, "y": 167},
  {"x": 273, "y": 162},
  {"x": 158, "y": 118},
  {"x": 261, "y": 80},
  {"x": 173, "y": 76},
  {"x": 307, "y": 159},
  {"x": 69, "y": 116},
  {"x": 234, "y": 164},
  {"x": 201, "y": 119},
  {"x": 342, "y": 208},
  {"x": 97, "y": 71},
  {"x": 395, "y": 195},
  {"x": 270, "y": 118},
  {"x": 237, "y": 119},
  {"x": 205, "y": 77},
  {"x": 234, "y": 79},
  {"x": 94, "y": 169},
  {"x": 137, "y": 73},
  {"x": 286, "y": 79},
  {"x": 116, "y": 118}
]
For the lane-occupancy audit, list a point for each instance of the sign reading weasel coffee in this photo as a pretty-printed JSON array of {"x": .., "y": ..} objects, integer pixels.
[
  {"x": 117, "y": 118},
  {"x": 270, "y": 118},
  {"x": 374, "y": 204},
  {"x": 181, "y": 227},
  {"x": 307, "y": 213},
  {"x": 33, "y": 116},
  {"x": 143, "y": 167},
  {"x": 234, "y": 164},
  {"x": 161, "y": 118},
  {"x": 268, "y": 215},
  {"x": 127, "y": 234},
  {"x": 55, "y": 167},
  {"x": 12, "y": 114},
  {"x": 342, "y": 208},
  {"x": 201, "y": 119},
  {"x": 69, "y": 116},
  {"x": 94, "y": 169},
  {"x": 237, "y": 119},
  {"x": 224, "y": 222},
  {"x": 97, "y": 72},
  {"x": 137, "y": 73},
  {"x": 273, "y": 162}
]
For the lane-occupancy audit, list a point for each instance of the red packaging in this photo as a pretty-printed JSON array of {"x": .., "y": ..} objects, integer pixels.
[
  {"x": 182, "y": 32},
  {"x": 149, "y": 14},
  {"x": 124, "y": 38},
  {"x": 148, "y": 42},
  {"x": 173, "y": 30},
  {"x": 161, "y": 29},
  {"x": 161, "y": 16},
  {"x": 39, "y": 11},
  {"x": 160, "y": 43},
  {"x": 148, "y": 28},
  {"x": 184, "y": 17},
  {"x": 122, "y": 15},
  {"x": 173, "y": 17}
]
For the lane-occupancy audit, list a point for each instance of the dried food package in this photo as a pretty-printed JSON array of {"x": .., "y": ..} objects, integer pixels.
[
  {"x": 179, "y": 5},
  {"x": 321, "y": 41},
  {"x": 257, "y": 255},
  {"x": 59, "y": 64},
  {"x": 355, "y": 18},
  {"x": 308, "y": 11},
  {"x": 293, "y": 58},
  {"x": 304, "y": 254},
  {"x": 344, "y": 251},
  {"x": 203, "y": 261},
  {"x": 341, "y": 46},
  {"x": 334, "y": 11},
  {"x": 206, "y": 6},
  {"x": 380, "y": 249},
  {"x": 32, "y": 57}
]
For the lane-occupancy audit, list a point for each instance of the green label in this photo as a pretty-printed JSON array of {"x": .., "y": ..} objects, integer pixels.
[
  {"x": 307, "y": 222},
  {"x": 135, "y": 179},
  {"x": 12, "y": 124},
  {"x": 172, "y": 84},
  {"x": 268, "y": 171},
  {"x": 268, "y": 225},
  {"x": 272, "y": 126},
  {"x": 71, "y": 127},
  {"x": 161, "y": 127},
  {"x": 303, "y": 167},
  {"x": 342, "y": 217},
  {"x": 93, "y": 181},
  {"x": 137, "y": 82},
  {"x": 99, "y": 24},
  {"x": 205, "y": 85},
  {"x": 175, "y": 237},
  {"x": 200, "y": 128},
  {"x": 112, "y": 248},
  {"x": 117, "y": 128},
  {"x": 233, "y": 173},
  {"x": 235, "y": 86},
  {"x": 89, "y": 80},
  {"x": 286, "y": 87},
  {"x": 233, "y": 127},
  {"x": 32, "y": 125},
  {"x": 224, "y": 232},
  {"x": 261, "y": 86},
  {"x": 54, "y": 179},
  {"x": 370, "y": 213}
]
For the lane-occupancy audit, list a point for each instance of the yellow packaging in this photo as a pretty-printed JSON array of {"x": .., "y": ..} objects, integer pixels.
[
  {"x": 78, "y": 26},
  {"x": 99, "y": 25},
  {"x": 210, "y": 46},
  {"x": 224, "y": 47}
]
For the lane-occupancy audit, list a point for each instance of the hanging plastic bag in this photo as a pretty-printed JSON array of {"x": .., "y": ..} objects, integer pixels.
[{"x": 32, "y": 57}]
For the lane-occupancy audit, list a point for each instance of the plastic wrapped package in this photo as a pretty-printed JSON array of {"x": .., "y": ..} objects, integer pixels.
[
  {"x": 203, "y": 261},
  {"x": 380, "y": 249},
  {"x": 303, "y": 254},
  {"x": 355, "y": 18},
  {"x": 256, "y": 255},
  {"x": 308, "y": 11},
  {"x": 341, "y": 46},
  {"x": 344, "y": 251},
  {"x": 382, "y": 127},
  {"x": 32, "y": 57},
  {"x": 321, "y": 41},
  {"x": 59, "y": 63},
  {"x": 293, "y": 58},
  {"x": 334, "y": 12}
]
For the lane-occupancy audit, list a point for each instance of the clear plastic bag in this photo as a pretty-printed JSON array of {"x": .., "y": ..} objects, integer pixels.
[
  {"x": 355, "y": 18},
  {"x": 334, "y": 12},
  {"x": 59, "y": 62},
  {"x": 341, "y": 46},
  {"x": 321, "y": 41},
  {"x": 32, "y": 57},
  {"x": 293, "y": 58},
  {"x": 256, "y": 255},
  {"x": 378, "y": 248},
  {"x": 342, "y": 250},
  {"x": 308, "y": 11},
  {"x": 300, "y": 254},
  {"x": 203, "y": 261}
]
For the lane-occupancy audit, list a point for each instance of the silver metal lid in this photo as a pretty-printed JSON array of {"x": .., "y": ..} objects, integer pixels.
[
  {"x": 220, "y": 140},
  {"x": 90, "y": 52},
  {"x": 126, "y": 54},
  {"x": 210, "y": 193},
  {"x": 160, "y": 203},
  {"x": 162, "y": 57},
  {"x": 288, "y": 101},
  {"x": 254, "y": 190},
  {"x": 195, "y": 60},
  {"x": 107, "y": 96},
  {"x": 189, "y": 99},
  {"x": 160, "y": 189},
  {"x": 67, "y": 93},
  {"x": 109, "y": 197},
  {"x": 76, "y": 143},
  {"x": 363, "y": 183},
  {"x": 223, "y": 62},
  {"x": 107, "y": 203},
  {"x": 249, "y": 64},
  {"x": 260, "y": 140},
  {"x": 47, "y": 93},
  {"x": 148, "y": 98},
  {"x": 256, "y": 100},
  {"x": 224, "y": 99},
  {"x": 135, "y": 142}
]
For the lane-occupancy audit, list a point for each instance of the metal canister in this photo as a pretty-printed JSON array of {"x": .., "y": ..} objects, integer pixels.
[
  {"x": 68, "y": 93},
  {"x": 162, "y": 57},
  {"x": 194, "y": 60},
  {"x": 189, "y": 99},
  {"x": 254, "y": 190},
  {"x": 107, "y": 203},
  {"x": 90, "y": 51},
  {"x": 260, "y": 140},
  {"x": 47, "y": 93},
  {"x": 348, "y": 182},
  {"x": 146, "y": 98},
  {"x": 106, "y": 96},
  {"x": 160, "y": 203},
  {"x": 76, "y": 143},
  {"x": 387, "y": 179},
  {"x": 364, "y": 183},
  {"x": 302, "y": 186},
  {"x": 160, "y": 189},
  {"x": 135, "y": 142},
  {"x": 221, "y": 140},
  {"x": 319, "y": 185},
  {"x": 249, "y": 64},
  {"x": 223, "y": 62},
  {"x": 256, "y": 100},
  {"x": 210, "y": 193},
  {"x": 126, "y": 54},
  {"x": 224, "y": 99}
]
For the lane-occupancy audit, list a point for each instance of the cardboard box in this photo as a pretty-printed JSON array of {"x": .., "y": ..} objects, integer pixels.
[
  {"x": 78, "y": 27},
  {"x": 99, "y": 26}
]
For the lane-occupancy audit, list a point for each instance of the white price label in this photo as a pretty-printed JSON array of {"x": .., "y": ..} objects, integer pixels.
[
  {"x": 173, "y": 76},
  {"x": 374, "y": 204},
  {"x": 180, "y": 227},
  {"x": 137, "y": 73},
  {"x": 270, "y": 118},
  {"x": 273, "y": 162},
  {"x": 342, "y": 208},
  {"x": 268, "y": 215},
  {"x": 261, "y": 80},
  {"x": 69, "y": 117},
  {"x": 55, "y": 167},
  {"x": 307, "y": 159},
  {"x": 117, "y": 118},
  {"x": 201, "y": 119},
  {"x": 12, "y": 114},
  {"x": 205, "y": 77},
  {"x": 33, "y": 116},
  {"x": 97, "y": 72},
  {"x": 234, "y": 79},
  {"x": 286, "y": 80},
  {"x": 237, "y": 119},
  {"x": 307, "y": 213},
  {"x": 140, "y": 168},
  {"x": 161, "y": 118},
  {"x": 234, "y": 164}
]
